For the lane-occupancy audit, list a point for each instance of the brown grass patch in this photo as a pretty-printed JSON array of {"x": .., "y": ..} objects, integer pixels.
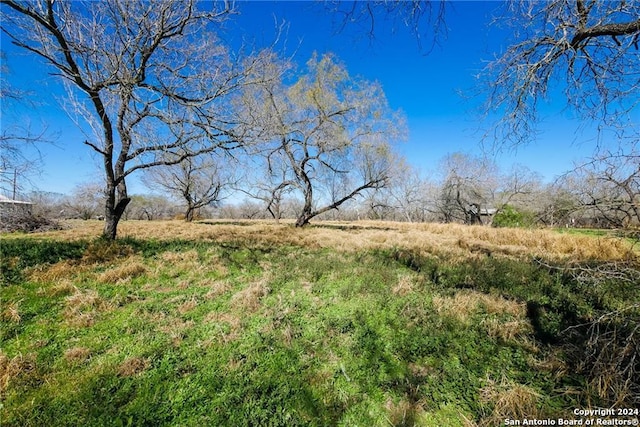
[
  {"x": 176, "y": 328},
  {"x": 133, "y": 366},
  {"x": 130, "y": 269},
  {"x": 11, "y": 313},
  {"x": 216, "y": 288},
  {"x": 465, "y": 303},
  {"x": 230, "y": 325},
  {"x": 82, "y": 307},
  {"x": 64, "y": 287},
  {"x": 404, "y": 286},
  {"x": 249, "y": 298},
  {"x": 403, "y": 412},
  {"x": 63, "y": 270},
  {"x": 187, "y": 306},
  {"x": 19, "y": 366},
  {"x": 509, "y": 400},
  {"x": 77, "y": 354},
  {"x": 507, "y": 331}
]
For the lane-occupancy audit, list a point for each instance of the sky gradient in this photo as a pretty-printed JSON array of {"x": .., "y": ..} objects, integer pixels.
[{"x": 435, "y": 87}]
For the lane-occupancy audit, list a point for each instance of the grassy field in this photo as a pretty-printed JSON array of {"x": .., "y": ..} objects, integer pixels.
[{"x": 350, "y": 324}]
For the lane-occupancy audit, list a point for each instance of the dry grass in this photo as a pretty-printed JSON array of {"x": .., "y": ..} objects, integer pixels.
[
  {"x": 230, "y": 325},
  {"x": 82, "y": 307},
  {"x": 11, "y": 312},
  {"x": 16, "y": 367},
  {"x": 509, "y": 330},
  {"x": 77, "y": 354},
  {"x": 132, "y": 366},
  {"x": 57, "y": 272},
  {"x": 403, "y": 412},
  {"x": 509, "y": 400},
  {"x": 404, "y": 285},
  {"x": 187, "y": 306},
  {"x": 175, "y": 328},
  {"x": 466, "y": 303},
  {"x": 248, "y": 299},
  {"x": 216, "y": 288},
  {"x": 131, "y": 268},
  {"x": 453, "y": 239},
  {"x": 64, "y": 287}
]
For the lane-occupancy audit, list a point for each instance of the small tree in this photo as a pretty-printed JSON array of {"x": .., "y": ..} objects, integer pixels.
[
  {"x": 150, "y": 207},
  {"x": 329, "y": 132},
  {"x": 197, "y": 181},
  {"x": 84, "y": 202}
]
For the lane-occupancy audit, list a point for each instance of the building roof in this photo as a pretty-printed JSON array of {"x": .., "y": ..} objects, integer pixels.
[{"x": 7, "y": 200}]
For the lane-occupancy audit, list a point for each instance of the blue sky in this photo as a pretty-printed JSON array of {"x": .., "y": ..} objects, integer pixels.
[{"x": 435, "y": 89}]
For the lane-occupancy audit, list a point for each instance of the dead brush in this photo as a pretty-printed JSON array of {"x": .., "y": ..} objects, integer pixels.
[
  {"x": 508, "y": 400},
  {"x": 607, "y": 351}
]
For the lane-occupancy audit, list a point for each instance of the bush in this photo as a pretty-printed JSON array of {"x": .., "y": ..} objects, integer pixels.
[{"x": 511, "y": 217}]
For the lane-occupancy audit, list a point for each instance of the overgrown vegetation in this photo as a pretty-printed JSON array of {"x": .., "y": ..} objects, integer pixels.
[
  {"x": 26, "y": 222},
  {"x": 238, "y": 325}
]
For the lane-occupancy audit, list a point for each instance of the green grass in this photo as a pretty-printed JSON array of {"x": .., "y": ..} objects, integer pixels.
[{"x": 233, "y": 334}]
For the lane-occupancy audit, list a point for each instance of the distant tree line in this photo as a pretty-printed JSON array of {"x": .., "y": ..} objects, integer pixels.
[{"x": 467, "y": 189}]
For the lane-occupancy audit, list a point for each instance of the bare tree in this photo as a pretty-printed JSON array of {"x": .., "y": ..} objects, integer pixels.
[
  {"x": 197, "y": 181},
  {"x": 463, "y": 193},
  {"x": 607, "y": 188},
  {"x": 423, "y": 19},
  {"x": 17, "y": 167},
  {"x": 474, "y": 189},
  {"x": 270, "y": 185},
  {"x": 408, "y": 196},
  {"x": 587, "y": 48},
  {"x": 333, "y": 132},
  {"x": 84, "y": 202},
  {"x": 150, "y": 207},
  {"x": 150, "y": 78}
]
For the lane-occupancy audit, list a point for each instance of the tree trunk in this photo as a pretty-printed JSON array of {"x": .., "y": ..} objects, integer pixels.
[
  {"x": 303, "y": 220},
  {"x": 188, "y": 216},
  {"x": 112, "y": 217},
  {"x": 113, "y": 211}
]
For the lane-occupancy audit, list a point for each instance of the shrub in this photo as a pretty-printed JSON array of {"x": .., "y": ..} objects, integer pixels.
[{"x": 511, "y": 217}]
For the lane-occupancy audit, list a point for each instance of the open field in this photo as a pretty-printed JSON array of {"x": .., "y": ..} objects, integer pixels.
[{"x": 367, "y": 323}]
